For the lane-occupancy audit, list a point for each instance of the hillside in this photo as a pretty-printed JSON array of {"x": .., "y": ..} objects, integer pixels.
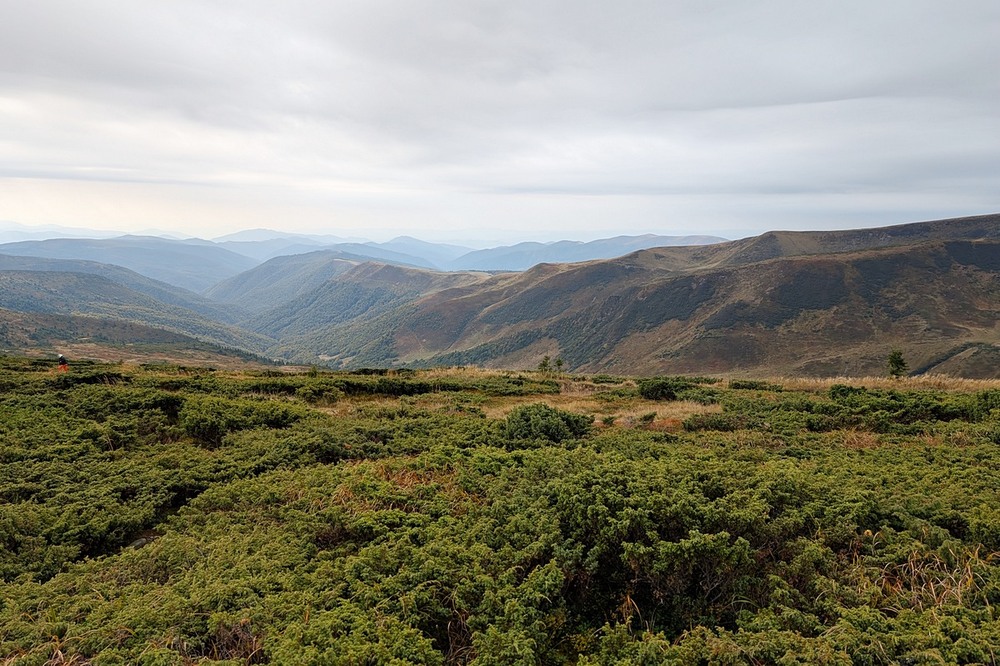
[
  {"x": 822, "y": 314},
  {"x": 101, "y": 338},
  {"x": 65, "y": 293},
  {"x": 192, "y": 265},
  {"x": 281, "y": 279},
  {"x": 814, "y": 303},
  {"x": 362, "y": 292},
  {"x": 161, "y": 291}
]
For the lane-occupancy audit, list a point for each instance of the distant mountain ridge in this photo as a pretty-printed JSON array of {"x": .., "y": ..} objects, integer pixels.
[
  {"x": 194, "y": 265},
  {"x": 804, "y": 302},
  {"x": 523, "y": 256},
  {"x": 814, "y": 303}
]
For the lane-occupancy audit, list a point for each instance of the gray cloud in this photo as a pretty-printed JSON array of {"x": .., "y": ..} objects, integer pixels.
[{"x": 451, "y": 119}]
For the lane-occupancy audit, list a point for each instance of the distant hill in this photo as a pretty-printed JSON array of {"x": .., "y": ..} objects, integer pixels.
[
  {"x": 362, "y": 292},
  {"x": 66, "y": 293},
  {"x": 440, "y": 255},
  {"x": 161, "y": 291},
  {"x": 281, "y": 279},
  {"x": 525, "y": 255},
  {"x": 98, "y": 338},
  {"x": 192, "y": 265},
  {"x": 262, "y": 245},
  {"x": 804, "y": 303}
]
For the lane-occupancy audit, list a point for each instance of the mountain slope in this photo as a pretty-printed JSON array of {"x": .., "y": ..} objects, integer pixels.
[
  {"x": 161, "y": 291},
  {"x": 281, "y": 279},
  {"x": 79, "y": 293},
  {"x": 363, "y": 291},
  {"x": 820, "y": 314},
  {"x": 192, "y": 265},
  {"x": 91, "y": 337}
]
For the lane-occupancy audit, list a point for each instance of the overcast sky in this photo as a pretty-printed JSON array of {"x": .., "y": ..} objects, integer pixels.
[{"x": 507, "y": 120}]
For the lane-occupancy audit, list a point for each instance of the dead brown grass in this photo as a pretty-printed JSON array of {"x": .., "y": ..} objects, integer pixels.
[{"x": 922, "y": 382}]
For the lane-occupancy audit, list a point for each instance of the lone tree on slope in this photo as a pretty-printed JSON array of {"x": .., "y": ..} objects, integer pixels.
[{"x": 897, "y": 364}]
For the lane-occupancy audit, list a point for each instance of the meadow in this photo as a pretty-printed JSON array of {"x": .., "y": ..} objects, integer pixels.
[{"x": 170, "y": 515}]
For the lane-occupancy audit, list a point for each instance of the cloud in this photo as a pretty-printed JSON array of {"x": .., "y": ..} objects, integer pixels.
[{"x": 434, "y": 118}]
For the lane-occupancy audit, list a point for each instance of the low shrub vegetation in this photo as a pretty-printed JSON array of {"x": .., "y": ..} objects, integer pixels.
[{"x": 154, "y": 516}]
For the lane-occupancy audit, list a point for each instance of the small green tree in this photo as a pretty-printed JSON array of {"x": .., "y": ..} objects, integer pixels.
[
  {"x": 897, "y": 364},
  {"x": 546, "y": 364}
]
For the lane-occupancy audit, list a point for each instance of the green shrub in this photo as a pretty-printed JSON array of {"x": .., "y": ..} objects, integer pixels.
[
  {"x": 662, "y": 388},
  {"x": 541, "y": 422}
]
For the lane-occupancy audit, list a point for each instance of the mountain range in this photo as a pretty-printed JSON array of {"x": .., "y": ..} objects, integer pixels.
[{"x": 806, "y": 303}]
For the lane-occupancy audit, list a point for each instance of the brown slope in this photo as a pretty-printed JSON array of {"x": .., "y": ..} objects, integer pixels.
[
  {"x": 778, "y": 244},
  {"x": 109, "y": 340},
  {"x": 722, "y": 307},
  {"x": 822, "y": 314}
]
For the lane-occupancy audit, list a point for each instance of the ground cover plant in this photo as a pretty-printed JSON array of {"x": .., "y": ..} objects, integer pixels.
[{"x": 172, "y": 515}]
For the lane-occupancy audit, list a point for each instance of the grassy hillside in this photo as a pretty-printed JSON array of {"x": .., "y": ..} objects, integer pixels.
[
  {"x": 111, "y": 340},
  {"x": 161, "y": 291},
  {"x": 177, "y": 516},
  {"x": 364, "y": 291},
  {"x": 280, "y": 280},
  {"x": 825, "y": 314},
  {"x": 78, "y": 293}
]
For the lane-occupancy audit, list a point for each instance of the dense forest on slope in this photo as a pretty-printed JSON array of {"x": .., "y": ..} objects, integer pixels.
[{"x": 173, "y": 515}]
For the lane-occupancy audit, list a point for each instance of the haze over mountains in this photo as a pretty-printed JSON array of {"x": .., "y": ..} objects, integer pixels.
[{"x": 814, "y": 303}]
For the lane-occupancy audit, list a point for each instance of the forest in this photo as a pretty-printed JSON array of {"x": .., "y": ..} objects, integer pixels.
[{"x": 168, "y": 515}]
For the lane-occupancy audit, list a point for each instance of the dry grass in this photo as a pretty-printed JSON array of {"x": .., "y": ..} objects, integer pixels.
[
  {"x": 921, "y": 382},
  {"x": 465, "y": 372},
  {"x": 630, "y": 412},
  {"x": 926, "y": 579}
]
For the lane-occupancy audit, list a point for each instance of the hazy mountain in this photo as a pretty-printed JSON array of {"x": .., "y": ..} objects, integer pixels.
[
  {"x": 193, "y": 264},
  {"x": 810, "y": 303},
  {"x": 525, "y": 255},
  {"x": 282, "y": 279},
  {"x": 815, "y": 303},
  {"x": 65, "y": 293},
  {"x": 11, "y": 232},
  {"x": 161, "y": 291},
  {"x": 262, "y": 250},
  {"x": 364, "y": 291},
  {"x": 254, "y": 235},
  {"x": 440, "y": 255}
]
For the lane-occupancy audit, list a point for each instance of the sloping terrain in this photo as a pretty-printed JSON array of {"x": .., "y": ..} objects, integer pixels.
[
  {"x": 824, "y": 314},
  {"x": 161, "y": 291},
  {"x": 105, "y": 339},
  {"x": 192, "y": 265},
  {"x": 80, "y": 293},
  {"x": 280, "y": 280},
  {"x": 364, "y": 291},
  {"x": 814, "y": 303}
]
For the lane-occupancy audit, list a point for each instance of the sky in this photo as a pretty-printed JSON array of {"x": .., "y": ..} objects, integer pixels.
[{"x": 483, "y": 122}]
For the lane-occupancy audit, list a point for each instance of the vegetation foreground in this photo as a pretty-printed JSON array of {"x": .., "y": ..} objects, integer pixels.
[{"x": 167, "y": 515}]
